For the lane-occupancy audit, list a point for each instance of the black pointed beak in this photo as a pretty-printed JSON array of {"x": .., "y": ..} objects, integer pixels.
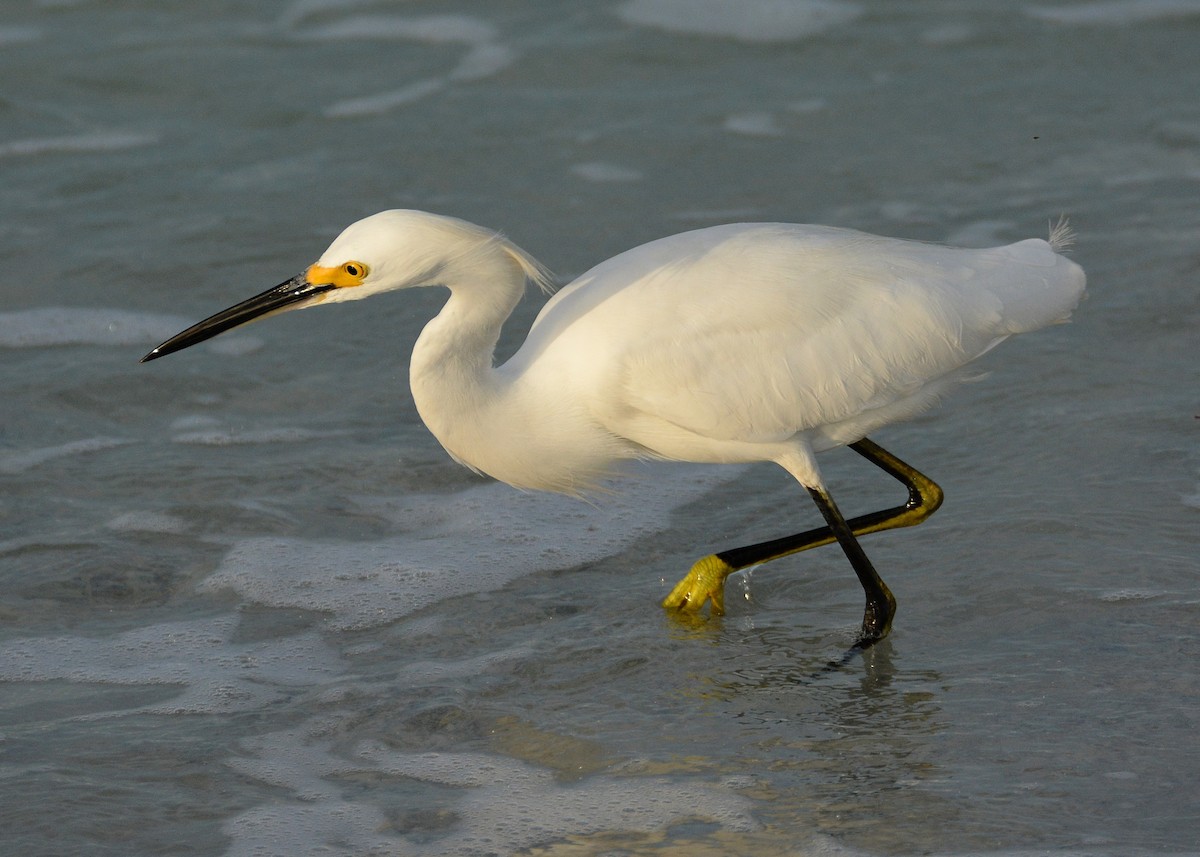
[{"x": 294, "y": 294}]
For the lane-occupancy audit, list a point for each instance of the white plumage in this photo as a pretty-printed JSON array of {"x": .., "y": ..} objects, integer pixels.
[
  {"x": 752, "y": 341},
  {"x": 736, "y": 343}
]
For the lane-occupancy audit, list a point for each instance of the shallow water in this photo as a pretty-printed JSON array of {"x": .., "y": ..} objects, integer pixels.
[{"x": 249, "y": 607}]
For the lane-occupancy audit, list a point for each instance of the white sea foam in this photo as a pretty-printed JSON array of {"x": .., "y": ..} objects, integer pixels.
[
  {"x": 416, "y": 673},
  {"x": 948, "y": 34},
  {"x": 213, "y": 673},
  {"x": 18, "y": 35},
  {"x": 148, "y": 522},
  {"x": 756, "y": 124},
  {"x": 99, "y": 141},
  {"x": 595, "y": 171},
  {"x": 46, "y": 326},
  {"x": 237, "y": 437},
  {"x": 484, "y": 58},
  {"x": 304, "y": 9},
  {"x": 314, "y": 817},
  {"x": 505, "y": 806},
  {"x": 474, "y": 541},
  {"x": 522, "y": 805},
  {"x": 1119, "y": 595},
  {"x": 1115, "y": 12},
  {"x": 434, "y": 29},
  {"x": 18, "y": 461},
  {"x": 747, "y": 20},
  {"x": 808, "y": 105},
  {"x": 370, "y": 105},
  {"x": 194, "y": 422},
  {"x": 483, "y": 61}
]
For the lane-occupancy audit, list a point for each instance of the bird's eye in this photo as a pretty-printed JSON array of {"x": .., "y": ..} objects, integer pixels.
[{"x": 355, "y": 270}]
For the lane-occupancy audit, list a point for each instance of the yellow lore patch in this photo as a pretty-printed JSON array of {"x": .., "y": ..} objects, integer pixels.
[{"x": 345, "y": 275}]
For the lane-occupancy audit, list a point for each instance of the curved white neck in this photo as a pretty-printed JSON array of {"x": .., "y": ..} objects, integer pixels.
[{"x": 453, "y": 382}]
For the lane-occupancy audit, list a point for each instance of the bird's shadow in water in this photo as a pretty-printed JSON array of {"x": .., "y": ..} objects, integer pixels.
[
  {"x": 851, "y": 724},
  {"x": 777, "y": 660}
]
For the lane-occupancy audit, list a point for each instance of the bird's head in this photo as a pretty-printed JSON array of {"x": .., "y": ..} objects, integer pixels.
[{"x": 390, "y": 250}]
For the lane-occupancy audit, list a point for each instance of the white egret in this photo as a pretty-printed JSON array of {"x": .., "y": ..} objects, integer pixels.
[{"x": 737, "y": 343}]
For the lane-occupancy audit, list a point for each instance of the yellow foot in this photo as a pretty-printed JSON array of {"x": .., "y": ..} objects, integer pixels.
[{"x": 705, "y": 582}]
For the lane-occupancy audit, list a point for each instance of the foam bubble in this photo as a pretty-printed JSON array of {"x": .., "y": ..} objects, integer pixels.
[
  {"x": 214, "y": 674},
  {"x": 1115, "y": 12},
  {"x": 475, "y": 541},
  {"x": 99, "y": 141},
  {"x": 44, "y": 326},
  {"x": 16, "y": 462},
  {"x": 747, "y": 20}
]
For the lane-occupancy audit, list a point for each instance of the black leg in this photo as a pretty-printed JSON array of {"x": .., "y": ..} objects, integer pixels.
[
  {"x": 881, "y": 604},
  {"x": 706, "y": 580},
  {"x": 924, "y": 498}
]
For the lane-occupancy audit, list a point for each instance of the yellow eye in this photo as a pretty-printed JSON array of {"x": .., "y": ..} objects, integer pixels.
[
  {"x": 355, "y": 271},
  {"x": 345, "y": 275}
]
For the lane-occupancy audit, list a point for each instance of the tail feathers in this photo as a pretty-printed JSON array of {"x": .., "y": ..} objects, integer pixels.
[
  {"x": 1037, "y": 285},
  {"x": 1062, "y": 236}
]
